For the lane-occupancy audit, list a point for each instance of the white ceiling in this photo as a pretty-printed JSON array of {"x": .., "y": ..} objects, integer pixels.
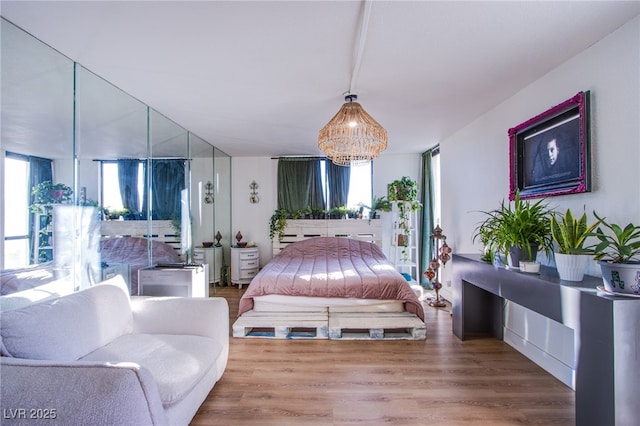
[{"x": 261, "y": 78}]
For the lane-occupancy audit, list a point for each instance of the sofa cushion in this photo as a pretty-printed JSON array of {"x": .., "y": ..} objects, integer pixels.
[
  {"x": 69, "y": 327},
  {"x": 176, "y": 362}
]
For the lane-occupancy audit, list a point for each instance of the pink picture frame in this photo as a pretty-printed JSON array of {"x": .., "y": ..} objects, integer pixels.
[{"x": 549, "y": 154}]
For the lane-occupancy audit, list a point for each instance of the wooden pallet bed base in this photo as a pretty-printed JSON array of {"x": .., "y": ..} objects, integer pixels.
[
  {"x": 283, "y": 325},
  {"x": 330, "y": 325}
]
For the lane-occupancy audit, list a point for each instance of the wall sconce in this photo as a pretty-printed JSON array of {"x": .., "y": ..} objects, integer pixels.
[
  {"x": 253, "y": 197},
  {"x": 208, "y": 193}
]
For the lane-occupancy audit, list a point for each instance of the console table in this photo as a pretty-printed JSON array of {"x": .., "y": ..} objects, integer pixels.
[{"x": 607, "y": 330}]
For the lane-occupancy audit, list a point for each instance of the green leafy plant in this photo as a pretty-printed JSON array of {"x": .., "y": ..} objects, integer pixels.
[
  {"x": 404, "y": 189},
  {"x": 520, "y": 224},
  {"x": 619, "y": 245},
  {"x": 277, "y": 224},
  {"x": 570, "y": 233},
  {"x": 338, "y": 212},
  {"x": 46, "y": 194},
  {"x": 318, "y": 213},
  {"x": 380, "y": 204}
]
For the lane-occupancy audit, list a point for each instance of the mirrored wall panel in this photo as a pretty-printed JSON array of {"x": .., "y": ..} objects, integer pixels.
[{"x": 98, "y": 185}]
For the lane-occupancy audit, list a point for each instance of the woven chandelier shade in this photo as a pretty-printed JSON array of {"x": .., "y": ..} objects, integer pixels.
[{"x": 352, "y": 137}]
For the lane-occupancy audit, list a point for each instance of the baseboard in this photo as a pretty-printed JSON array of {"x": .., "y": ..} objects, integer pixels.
[{"x": 552, "y": 365}]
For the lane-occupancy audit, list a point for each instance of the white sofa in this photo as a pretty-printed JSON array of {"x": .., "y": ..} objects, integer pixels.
[{"x": 99, "y": 357}]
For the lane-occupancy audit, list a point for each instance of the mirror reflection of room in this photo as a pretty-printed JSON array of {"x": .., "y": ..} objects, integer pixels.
[{"x": 95, "y": 182}]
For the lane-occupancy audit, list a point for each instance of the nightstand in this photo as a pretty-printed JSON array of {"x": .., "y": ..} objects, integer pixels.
[
  {"x": 245, "y": 263},
  {"x": 212, "y": 256}
]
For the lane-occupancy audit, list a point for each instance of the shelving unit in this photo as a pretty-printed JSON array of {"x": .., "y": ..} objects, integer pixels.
[
  {"x": 43, "y": 247},
  {"x": 404, "y": 242}
]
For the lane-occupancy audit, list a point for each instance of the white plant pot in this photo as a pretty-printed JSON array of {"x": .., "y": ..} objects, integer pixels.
[
  {"x": 530, "y": 267},
  {"x": 571, "y": 267},
  {"x": 621, "y": 277}
]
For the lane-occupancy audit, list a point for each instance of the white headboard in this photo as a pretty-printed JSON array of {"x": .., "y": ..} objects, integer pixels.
[
  {"x": 302, "y": 229},
  {"x": 161, "y": 230}
]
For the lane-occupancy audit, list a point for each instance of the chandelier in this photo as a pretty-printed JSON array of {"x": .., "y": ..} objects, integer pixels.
[{"x": 352, "y": 136}]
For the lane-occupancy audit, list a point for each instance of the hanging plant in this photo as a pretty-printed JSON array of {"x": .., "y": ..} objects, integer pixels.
[
  {"x": 405, "y": 189},
  {"x": 277, "y": 223},
  {"x": 46, "y": 193}
]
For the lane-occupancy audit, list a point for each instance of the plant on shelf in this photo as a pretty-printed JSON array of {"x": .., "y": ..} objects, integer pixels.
[
  {"x": 318, "y": 213},
  {"x": 378, "y": 204},
  {"x": 404, "y": 192},
  {"x": 277, "y": 224},
  {"x": 621, "y": 247},
  {"x": 618, "y": 254},
  {"x": 570, "y": 234},
  {"x": 404, "y": 189},
  {"x": 338, "y": 212},
  {"x": 46, "y": 194},
  {"x": 517, "y": 229}
]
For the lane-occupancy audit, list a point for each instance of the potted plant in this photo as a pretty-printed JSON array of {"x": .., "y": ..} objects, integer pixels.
[
  {"x": 618, "y": 254},
  {"x": 570, "y": 235},
  {"x": 46, "y": 194},
  {"x": 518, "y": 229},
  {"x": 378, "y": 204},
  {"x": 338, "y": 212},
  {"x": 277, "y": 224},
  {"x": 404, "y": 191}
]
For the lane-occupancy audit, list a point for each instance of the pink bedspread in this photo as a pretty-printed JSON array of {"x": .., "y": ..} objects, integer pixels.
[
  {"x": 134, "y": 252},
  {"x": 332, "y": 267}
]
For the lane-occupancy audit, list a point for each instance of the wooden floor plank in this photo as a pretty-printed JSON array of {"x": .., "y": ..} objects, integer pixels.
[{"x": 439, "y": 381}]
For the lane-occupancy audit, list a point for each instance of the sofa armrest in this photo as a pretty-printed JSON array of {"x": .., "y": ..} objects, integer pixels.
[
  {"x": 78, "y": 393},
  {"x": 208, "y": 316}
]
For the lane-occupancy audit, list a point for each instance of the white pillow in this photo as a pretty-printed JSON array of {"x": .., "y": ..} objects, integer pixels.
[{"x": 69, "y": 327}]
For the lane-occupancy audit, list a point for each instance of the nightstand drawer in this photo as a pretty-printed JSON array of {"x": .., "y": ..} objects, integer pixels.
[
  {"x": 199, "y": 256},
  {"x": 248, "y": 264},
  {"x": 249, "y": 255},
  {"x": 247, "y": 273}
]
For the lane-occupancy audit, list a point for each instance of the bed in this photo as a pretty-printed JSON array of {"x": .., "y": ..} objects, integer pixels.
[{"x": 330, "y": 287}]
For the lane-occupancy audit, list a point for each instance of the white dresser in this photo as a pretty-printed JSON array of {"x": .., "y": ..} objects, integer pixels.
[
  {"x": 212, "y": 256},
  {"x": 245, "y": 263}
]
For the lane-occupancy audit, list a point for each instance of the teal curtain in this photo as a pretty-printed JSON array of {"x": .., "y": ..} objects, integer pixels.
[
  {"x": 167, "y": 183},
  {"x": 338, "y": 178},
  {"x": 426, "y": 245},
  {"x": 300, "y": 184},
  {"x": 128, "y": 181}
]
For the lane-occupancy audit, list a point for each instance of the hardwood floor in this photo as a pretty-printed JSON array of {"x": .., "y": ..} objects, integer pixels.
[{"x": 440, "y": 381}]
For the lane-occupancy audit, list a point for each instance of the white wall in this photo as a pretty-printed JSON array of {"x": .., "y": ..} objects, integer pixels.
[
  {"x": 253, "y": 219},
  {"x": 475, "y": 160}
]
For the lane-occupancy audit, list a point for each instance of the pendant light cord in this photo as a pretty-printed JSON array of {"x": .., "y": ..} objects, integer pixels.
[{"x": 362, "y": 38}]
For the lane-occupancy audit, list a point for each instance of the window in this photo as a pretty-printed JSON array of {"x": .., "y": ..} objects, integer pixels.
[
  {"x": 435, "y": 175},
  {"x": 167, "y": 183},
  {"x": 16, "y": 211},
  {"x": 360, "y": 188},
  {"x": 111, "y": 197},
  {"x": 302, "y": 186}
]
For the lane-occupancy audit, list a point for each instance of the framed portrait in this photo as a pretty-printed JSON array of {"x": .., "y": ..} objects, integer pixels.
[{"x": 550, "y": 154}]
